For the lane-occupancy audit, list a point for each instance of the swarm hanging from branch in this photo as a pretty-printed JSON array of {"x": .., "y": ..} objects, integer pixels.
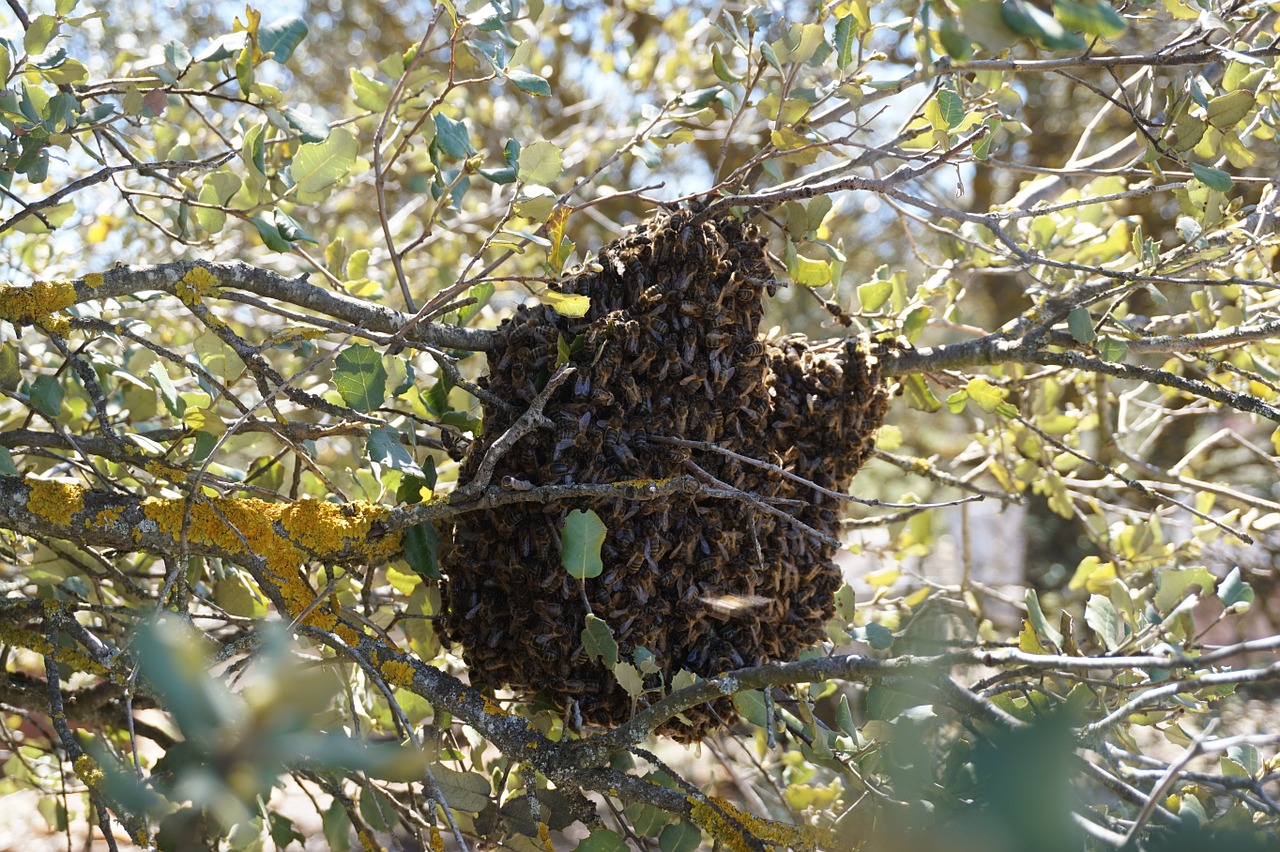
[{"x": 670, "y": 348}]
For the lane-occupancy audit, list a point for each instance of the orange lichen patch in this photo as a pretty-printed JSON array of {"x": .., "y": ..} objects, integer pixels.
[
  {"x": 94, "y": 280},
  {"x": 397, "y": 672},
  {"x": 54, "y": 501},
  {"x": 544, "y": 834},
  {"x": 437, "y": 840},
  {"x": 726, "y": 824},
  {"x": 493, "y": 708},
  {"x": 37, "y": 303},
  {"x": 195, "y": 285},
  {"x": 89, "y": 772}
]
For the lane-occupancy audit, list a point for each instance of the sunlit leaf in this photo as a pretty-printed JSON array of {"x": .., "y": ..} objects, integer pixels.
[
  {"x": 319, "y": 165},
  {"x": 540, "y": 163}
]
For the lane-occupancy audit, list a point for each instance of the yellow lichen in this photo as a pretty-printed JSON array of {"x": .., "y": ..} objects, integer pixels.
[
  {"x": 437, "y": 840},
  {"x": 731, "y": 826},
  {"x": 89, "y": 772},
  {"x": 94, "y": 280},
  {"x": 544, "y": 834},
  {"x": 284, "y": 536},
  {"x": 493, "y": 708},
  {"x": 312, "y": 529},
  {"x": 35, "y": 303},
  {"x": 161, "y": 470},
  {"x": 397, "y": 672},
  {"x": 195, "y": 285},
  {"x": 54, "y": 501},
  {"x": 19, "y": 638},
  {"x": 108, "y": 517}
]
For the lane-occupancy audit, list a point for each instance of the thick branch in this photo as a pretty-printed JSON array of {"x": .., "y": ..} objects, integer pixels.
[{"x": 128, "y": 280}]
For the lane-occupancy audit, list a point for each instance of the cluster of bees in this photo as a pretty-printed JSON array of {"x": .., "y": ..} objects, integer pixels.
[{"x": 670, "y": 348}]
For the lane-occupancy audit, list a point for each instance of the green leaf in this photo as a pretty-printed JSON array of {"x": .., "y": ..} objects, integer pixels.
[
  {"x": 282, "y": 36},
  {"x": 372, "y": 95},
  {"x": 844, "y": 717},
  {"x": 10, "y": 374},
  {"x": 540, "y": 163},
  {"x": 168, "y": 392},
  {"x": 811, "y": 273},
  {"x": 1039, "y": 623},
  {"x": 360, "y": 377},
  {"x": 337, "y": 827},
  {"x": 1095, "y": 18},
  {"x": 598, "y": 641},
  {"x": 602, "y": 840},
  {"x": 270, "y": 234},
  {"x": 750, "y": 703},
  {"x": 683, "y": 836},
  {"x": 422, "y": 550},
  {"x": 291, "y": 230},
  {"x": 1081, "y": 325},
  {"x": 385, "y": 448},
  {"x": 1234, "y": 592},
  {"x": 722, "y": 68},
  {"x": 580, "y": 543},
  {"x": 319, "y": 165},
  {"x": 46, "y": 396},
  {"x": 1212, "y": 178},
  {"x": 535, "y": 202},
  {"x": 876, "y": 635},
  {"x": 463, "y": 791},
  {"x": 7, "y": 467},
  {"x": 1025, "y": 19},
  {"x": 1228, "y": 110},
  {"x": 531, "y": 83},
  {"x": 952, "y": 107},
  {"x": 629, "y": 679},
  {"x": 42, "y": 31},
  {"x": 217, "y": 189},
  {"x": 918, "y": 394},
  {"x": 873, "y": 294},
  {"x": 844, "y": 41},
  {"x": 1173, "y": 585},
  {"x": 1112, "y": 349},
  {"x": 311, "y": 129},
  {"x": 252, "y": 151},
  {"x": 985, "y": 394},
  {"x": 1101, "y": 615},
  {"x": 453, "y": 138}
]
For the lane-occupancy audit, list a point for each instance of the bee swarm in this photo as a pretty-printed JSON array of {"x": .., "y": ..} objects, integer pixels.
[{"x": 670, "y": 348}]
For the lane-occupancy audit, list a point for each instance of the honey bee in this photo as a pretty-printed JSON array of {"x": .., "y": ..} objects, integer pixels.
[
  {"x": 688, "y": 346},
  {"x": 630, "y": 390},
  {"x": 601, "y": 397},
  {"x": 714, "y": 426}
]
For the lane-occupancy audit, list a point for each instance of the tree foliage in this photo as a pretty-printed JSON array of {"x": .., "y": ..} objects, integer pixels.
[{"x": 254, "y": 266}]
